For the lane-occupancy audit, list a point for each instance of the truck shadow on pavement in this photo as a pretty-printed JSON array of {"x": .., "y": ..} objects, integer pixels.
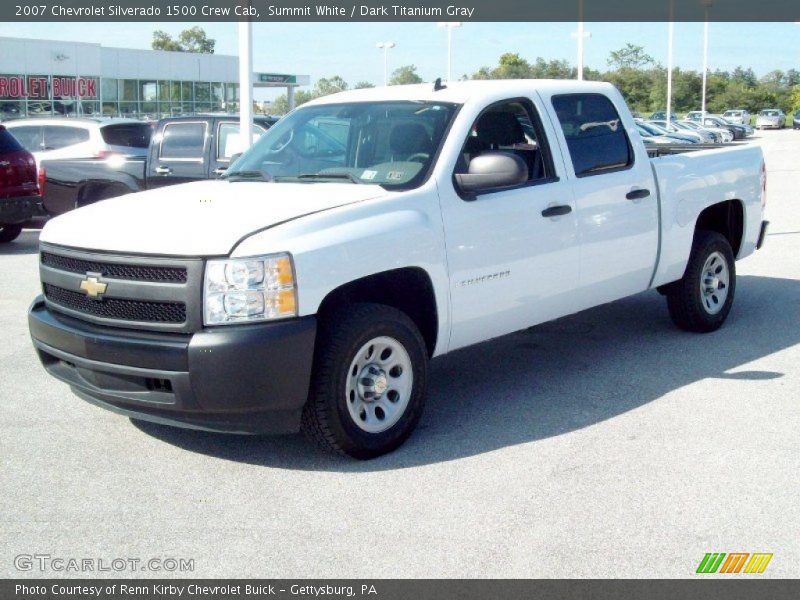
[
  {"x": 26, "y": 243},
  {"x": 551, "y": 379}
]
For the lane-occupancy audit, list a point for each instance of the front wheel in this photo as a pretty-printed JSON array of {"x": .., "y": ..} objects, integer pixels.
[
  {"x": 368, "y": 383},
  {"x": 8, "y": 233},
  {"x": 701, "y": 301}
]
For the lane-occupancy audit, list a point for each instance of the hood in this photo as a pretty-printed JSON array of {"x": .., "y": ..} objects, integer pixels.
[{"x": 205, "y": 218}]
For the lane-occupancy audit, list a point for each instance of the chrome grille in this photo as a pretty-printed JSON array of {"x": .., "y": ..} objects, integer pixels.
[{"x": 140, "y": 292}]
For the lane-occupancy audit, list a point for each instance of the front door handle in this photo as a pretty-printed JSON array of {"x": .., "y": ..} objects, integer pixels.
[
  {"x": 557, "y": 211},
  {"x": 163, "y": 170},
  {"x": 637, "y": 194}
]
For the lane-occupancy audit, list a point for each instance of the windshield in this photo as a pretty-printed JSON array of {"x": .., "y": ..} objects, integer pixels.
[
  {"x": 391, "y": 144},
  {"x": 769, "y": 113},
  {"x": 732, "y": 113}
]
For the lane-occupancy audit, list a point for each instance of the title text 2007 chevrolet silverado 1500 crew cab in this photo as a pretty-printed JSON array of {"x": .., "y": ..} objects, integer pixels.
[{"x": 371, "y": 230}]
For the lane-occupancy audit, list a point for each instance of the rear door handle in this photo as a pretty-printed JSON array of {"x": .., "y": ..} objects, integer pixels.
[
  {"x": 557, "y": 211},
  {"x": 637, "y": 194},
  {"x": 163, "y": 170}
]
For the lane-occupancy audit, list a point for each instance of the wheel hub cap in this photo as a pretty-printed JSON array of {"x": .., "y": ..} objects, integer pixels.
[
  {"x": 379, "y": 384},
  {"x": 714, "y": 283},
  {"x": 372, "y": 383}
]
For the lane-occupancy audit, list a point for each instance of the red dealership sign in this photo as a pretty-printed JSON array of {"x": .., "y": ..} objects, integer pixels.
[{"x": 19, "y": 87}]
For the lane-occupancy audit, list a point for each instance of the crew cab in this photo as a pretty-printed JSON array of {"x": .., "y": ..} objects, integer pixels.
[
  {"x": 181, "y": 149},
  {"x": 370, "y": 231}
]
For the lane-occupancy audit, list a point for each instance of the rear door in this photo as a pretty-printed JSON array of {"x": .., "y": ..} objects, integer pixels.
[
  {"x": 617, "y": 208},
  {"x": 179, "y": 153}
]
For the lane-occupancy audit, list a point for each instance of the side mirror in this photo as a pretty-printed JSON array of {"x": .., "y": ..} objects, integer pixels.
[{"x": 492, "y": 171}]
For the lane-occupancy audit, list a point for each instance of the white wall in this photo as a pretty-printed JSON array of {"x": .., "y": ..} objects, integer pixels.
[{"x": 41, "y": 57}]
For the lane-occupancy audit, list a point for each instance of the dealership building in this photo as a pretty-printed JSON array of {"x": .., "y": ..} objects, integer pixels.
[{"x": 48, "y": 77}]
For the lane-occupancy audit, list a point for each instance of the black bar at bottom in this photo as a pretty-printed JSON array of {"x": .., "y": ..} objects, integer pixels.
[{"x": 734, "y": 587}]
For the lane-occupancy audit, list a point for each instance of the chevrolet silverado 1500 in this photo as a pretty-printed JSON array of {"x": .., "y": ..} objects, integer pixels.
[{"x": 372, "y": 230}]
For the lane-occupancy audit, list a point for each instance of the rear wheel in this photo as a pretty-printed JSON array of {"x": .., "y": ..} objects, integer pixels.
[
  {"x": 368, "y": 383},
  {"x": 8, "y": 233},
  {"x": 702, "y": 300}
]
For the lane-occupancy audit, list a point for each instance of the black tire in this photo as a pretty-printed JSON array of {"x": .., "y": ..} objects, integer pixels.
[
  {"x": 8, "y": 233},
  {"x": 326, "y": 418},
  {"x": 684, "y": 297}
]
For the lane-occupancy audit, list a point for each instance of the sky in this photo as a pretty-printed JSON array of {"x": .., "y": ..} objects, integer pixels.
[{"x": 348, "y": 49}]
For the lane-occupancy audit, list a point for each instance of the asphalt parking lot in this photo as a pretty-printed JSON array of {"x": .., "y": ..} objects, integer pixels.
[{"x": 606, "y": 444}]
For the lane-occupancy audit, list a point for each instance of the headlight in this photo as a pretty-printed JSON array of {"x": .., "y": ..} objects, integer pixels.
[{"x": 242, "y": 290}]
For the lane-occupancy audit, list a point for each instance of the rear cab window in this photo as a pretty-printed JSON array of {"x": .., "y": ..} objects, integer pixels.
[
  {"x": 183, "y": 141},
  {"x": 128, "y": 135},
  {"x": 596, "y": 138}
]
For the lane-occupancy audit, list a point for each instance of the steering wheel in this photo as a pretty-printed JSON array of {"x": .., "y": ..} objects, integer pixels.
[
  {"x": 278, "y": 147},
  {"x": 419, "y": 157}
]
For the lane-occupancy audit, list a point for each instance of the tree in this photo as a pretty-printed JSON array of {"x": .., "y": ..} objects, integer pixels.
[
  {"x": 405, "y": 75},
  {"x": 327, "y": 86},
  {"x": 193, "y": 40},
  {"x": 363, "y": 85},
  {"x": 629, "y": 57}
]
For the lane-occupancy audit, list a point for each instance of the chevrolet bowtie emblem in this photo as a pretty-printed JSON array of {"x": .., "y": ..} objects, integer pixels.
[{"x": 93, "y": 287}]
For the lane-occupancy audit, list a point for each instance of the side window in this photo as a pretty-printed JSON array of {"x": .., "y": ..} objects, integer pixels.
[
  {"x": 29, "y": 136},
  {"x": 57, "y": 136},
  {"x": 595, "y": 135},
  {"x": 183, "y": 141},
  {"x": 511, "y": 126},
  {"x": 229, "y": 142},
  {"x": 324, "y": 137},
  {"x": 8, "y": 143}
]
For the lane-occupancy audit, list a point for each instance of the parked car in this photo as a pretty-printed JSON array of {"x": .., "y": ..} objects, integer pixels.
[
  {"x": 771, "y": 118},
  {"x": 738, "y": 116},
  {"x": 371, "y": 230},
  {"x": 661, "y": 115},
  {"x": 723, "y": 133},
  {"x": 695, "y": 115},
  {"x": 63, "y": 137},
  {"x": 21, "y": 185},
  {"x": 796, "y": 120},
  {"x": 739, "y": 131},
  {"x": 673, "y": 128},
  {"x": 648, "y": 137},
  {"x": 677, "y": 138},
  {"x": 181, "y": 149}
]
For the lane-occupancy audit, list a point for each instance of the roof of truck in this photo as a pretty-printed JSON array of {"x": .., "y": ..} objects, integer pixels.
[{"x": 461, "y": 92}]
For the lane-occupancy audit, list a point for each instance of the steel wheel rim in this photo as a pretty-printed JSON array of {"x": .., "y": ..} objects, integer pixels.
[
  {"x": 379, "y": 384},
  {"x": 714, "y": 283}
]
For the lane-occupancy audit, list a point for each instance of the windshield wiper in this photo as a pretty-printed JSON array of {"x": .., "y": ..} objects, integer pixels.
[
  {"x": 340, "y": 175},
  {"x": 247, "y": 176}
]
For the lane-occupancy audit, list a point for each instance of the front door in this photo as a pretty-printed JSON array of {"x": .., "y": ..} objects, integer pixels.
[{"x": 512, "y": 253}]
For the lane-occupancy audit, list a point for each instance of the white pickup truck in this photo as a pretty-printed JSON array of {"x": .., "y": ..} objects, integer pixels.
[{"x": 370, "y": 231}]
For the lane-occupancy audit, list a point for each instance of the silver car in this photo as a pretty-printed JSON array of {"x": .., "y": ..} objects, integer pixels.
[
  {"x": 701, "y": 136},
  {"x": 740, "y": 117},
  {"x": 68, "y": 137},
  {"x": 771, "y": 118}
]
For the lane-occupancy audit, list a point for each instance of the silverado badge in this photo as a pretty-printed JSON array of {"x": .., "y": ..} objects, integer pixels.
[{"x": 93, "y": 288}]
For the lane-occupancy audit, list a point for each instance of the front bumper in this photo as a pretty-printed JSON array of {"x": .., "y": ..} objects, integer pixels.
[
  {"x": 19, "y": 210},
  {"x": 235, "y": 379}
]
